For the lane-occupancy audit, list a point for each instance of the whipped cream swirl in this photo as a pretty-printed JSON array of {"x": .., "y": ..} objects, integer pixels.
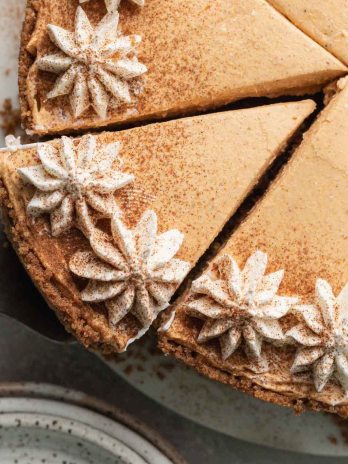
[
  {"x": 112, "y": 5},
  {"x": 134, "y": 271},
  {"x": 96, "y": 66},
  {"x": 71, "y": 178},
  {"x": 323, "y": 337},
  {"x": 240, "y": 307}
]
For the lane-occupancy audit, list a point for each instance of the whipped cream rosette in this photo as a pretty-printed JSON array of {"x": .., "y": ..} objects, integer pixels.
[
  {"x": 72, "y": 178},
  {"x": 240, "y": 307},
  {"x": 114, "y": 4},
  {"x": 97, "y": 66},
  {"x": 134, "y": 271},
  {"x": 323, "y": 337}
]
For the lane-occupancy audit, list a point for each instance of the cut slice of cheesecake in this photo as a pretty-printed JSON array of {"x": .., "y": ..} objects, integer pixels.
[
  {"x": 81, "y": 68},
  {"x": 325, "y": 21},
  {"x": 107, "y": 239},
  {"x": 269, "y": 316}
]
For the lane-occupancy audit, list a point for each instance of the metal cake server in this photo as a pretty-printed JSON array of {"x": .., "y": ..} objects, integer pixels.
[{"x": 20, "y": 300}]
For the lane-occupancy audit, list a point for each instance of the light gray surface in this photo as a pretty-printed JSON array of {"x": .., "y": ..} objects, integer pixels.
[
  {"x": 26, "y": 356},
  {"x": 223, "y": 409}
]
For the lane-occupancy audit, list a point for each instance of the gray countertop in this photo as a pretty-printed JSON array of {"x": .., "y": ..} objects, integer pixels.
[{"x": 27, "y": 356}]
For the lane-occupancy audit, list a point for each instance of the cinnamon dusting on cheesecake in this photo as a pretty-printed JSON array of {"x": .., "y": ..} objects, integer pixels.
[{"x": 193, "y": 65}]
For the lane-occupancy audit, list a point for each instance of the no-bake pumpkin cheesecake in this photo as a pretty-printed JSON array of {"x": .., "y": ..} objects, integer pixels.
[
  {"x": 109, "y": 225},
  {"x": 81, "y": 67},
  {"x": 325, "y": 21},
  {"x": 269, "y": 316}
]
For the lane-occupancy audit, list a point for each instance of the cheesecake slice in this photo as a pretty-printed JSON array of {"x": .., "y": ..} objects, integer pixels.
[
  {"x": 269, "y": 316},
  {"x": 108, "y": 226},
  {"x": 81, "y": 67},
  {"x": 325, "y": 21}
]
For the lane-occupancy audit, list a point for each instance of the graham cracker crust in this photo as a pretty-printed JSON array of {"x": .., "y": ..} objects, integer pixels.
[
  {"x": 76, "y": 320},
  {"x": 26, "y": 60}
]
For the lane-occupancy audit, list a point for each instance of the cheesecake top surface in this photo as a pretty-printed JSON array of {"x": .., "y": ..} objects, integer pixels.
[
  {"x": 326, "y": 21},
  {"x": 222, "y": 51},
  {"x": 178, "y": 166},
  {"x": 301, "y": 223}
]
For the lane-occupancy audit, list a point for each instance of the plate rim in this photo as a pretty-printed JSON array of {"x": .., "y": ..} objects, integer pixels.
[
  {"x": 79, "y": 430},
  {"x": 55, "y": 394}
]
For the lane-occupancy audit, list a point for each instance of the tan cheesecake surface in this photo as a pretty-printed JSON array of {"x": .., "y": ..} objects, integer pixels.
[
  {"x": 290, "y": 351},
  {"x": 192, "y": 173},
  {"x": 198, "y": 54},
  {"x": 326, "y": 21}
]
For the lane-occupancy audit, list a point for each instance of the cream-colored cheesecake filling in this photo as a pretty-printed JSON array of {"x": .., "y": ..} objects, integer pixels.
[{"x": 277, "y": 379}]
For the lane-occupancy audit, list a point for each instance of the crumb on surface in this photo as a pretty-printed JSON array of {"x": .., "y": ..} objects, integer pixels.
[{"x": 10, "y": 121}]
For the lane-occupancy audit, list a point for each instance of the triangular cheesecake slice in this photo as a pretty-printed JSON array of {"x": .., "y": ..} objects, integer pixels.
[
  {"x": 81, "y": 68},
  {"x": 108, "y": 226},
  {"x": 325, "y": 21},
  {"x": 270, "y": 315}
]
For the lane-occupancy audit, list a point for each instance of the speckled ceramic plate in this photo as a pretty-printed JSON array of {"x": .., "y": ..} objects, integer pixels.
[{"x": 38, "y": 430}]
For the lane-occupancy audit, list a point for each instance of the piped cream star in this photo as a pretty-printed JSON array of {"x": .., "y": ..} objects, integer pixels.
[
  {"x": 112, "y": 5},
  {"x": 134, "y": 271},
  {"x": 96, "y": 66},
  {"x": 323, "y": 337},
  {"x": 240, "y": 306},
  {"x": 68, "y": 179}
]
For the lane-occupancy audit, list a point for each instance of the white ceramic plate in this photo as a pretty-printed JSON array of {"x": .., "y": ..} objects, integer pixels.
[{"x": 171, "y": 384}]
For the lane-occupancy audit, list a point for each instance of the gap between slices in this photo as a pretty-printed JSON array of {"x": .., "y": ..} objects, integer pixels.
[
  {"x": 77, "y": 72},
  {"x": 136, "y": 241},
  {"x": 269, "y": 314}
]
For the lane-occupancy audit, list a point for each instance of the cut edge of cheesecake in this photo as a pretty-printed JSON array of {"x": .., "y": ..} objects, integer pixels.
[
  {"x": 30, "y": 241},
  {"x": 178, "y": 335},
  {"x": 309, "y": 80},
  {"x": 189, "y": 356}
]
